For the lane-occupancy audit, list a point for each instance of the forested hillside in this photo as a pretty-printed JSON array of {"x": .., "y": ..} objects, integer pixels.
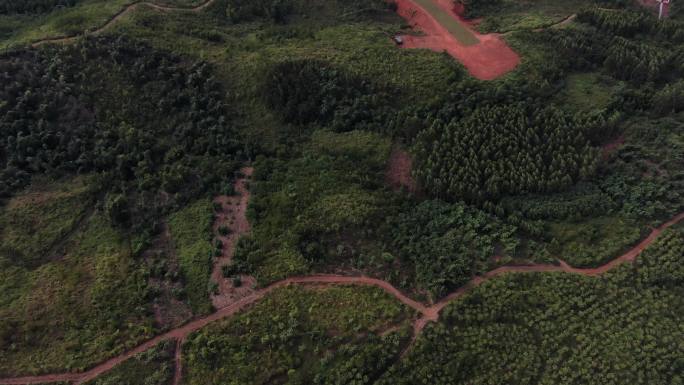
[
  {"x": 367, "y": 213},
  {"x": 144, "y": 121},
  {"x": 33, "y": 6}
]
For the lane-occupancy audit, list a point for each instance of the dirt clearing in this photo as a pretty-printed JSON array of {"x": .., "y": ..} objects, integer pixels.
[
  {"x": 486, "y": 57},
  {"x": 398, "y": 175}
]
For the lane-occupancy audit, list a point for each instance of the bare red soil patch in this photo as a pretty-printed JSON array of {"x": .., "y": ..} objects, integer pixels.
[
  {"x": 486, "y": 60},
  {"x": 398, "y": 175},
  {"x": 233, "y": 215},
  {"x": 611, "y": 146}
]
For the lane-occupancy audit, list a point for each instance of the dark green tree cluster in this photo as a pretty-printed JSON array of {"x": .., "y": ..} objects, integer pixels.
[
  {"x": 446, "y": 243},
  {"x": 503, "y": 150},
  {"x": 144, "y": 119},
  {"x": 624, "y": 23},
  {"x": 477, "y": 8},
  {"x": 637, "y": 61},
  {"x": 277, "y": 11},
  {"x": 583, "y": 201},
  {"x": 33, "y": 6},
  {"x": 669, "y": 99},
  {"x": 312, "y": 91}
]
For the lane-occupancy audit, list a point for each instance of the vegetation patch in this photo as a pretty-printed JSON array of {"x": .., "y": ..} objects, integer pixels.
[
  {"x": 152, "y": 367},
  {"x": 551, "y": 328},
  {"x": 34, "y": 222},
  {"x": 293, "y": 336},
  {"x": 504, "y": 150},
  {"x": 72, "y": 313},
  {"x": 191, "y": 234}
]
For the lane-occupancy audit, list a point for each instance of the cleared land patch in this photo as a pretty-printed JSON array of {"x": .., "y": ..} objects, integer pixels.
[{"x": 486, "y": 57}]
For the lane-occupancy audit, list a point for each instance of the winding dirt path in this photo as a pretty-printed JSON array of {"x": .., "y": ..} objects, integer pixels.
[
  {"x": 118, "y": 16},
  {"x": 232, "y": 216},
  {"x": 428, "y": 313}
]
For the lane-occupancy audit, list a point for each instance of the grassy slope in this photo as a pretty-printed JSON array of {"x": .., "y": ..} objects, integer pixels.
[
  {"x": 515, "y": 15},
  {"x": 73, "y": 312},
  {"x": 331, "y": 188},
  {"x": 33, "y": 222},
  {"x": 243, "y": 52}
]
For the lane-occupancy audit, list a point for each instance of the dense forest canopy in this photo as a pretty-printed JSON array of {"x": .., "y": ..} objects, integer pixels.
[
  {"x": 504, "y": 150},
  {"x": 312, "y": 91},
  {"x": 144, "y": 119},
  {"x": 33, "y": 6}
]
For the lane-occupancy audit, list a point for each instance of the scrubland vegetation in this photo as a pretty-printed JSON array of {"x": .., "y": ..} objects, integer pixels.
[
  {"x": 152, "y": 367},
  {"x": 295, "y": 336},
  {"x": 110, "y": 140}
]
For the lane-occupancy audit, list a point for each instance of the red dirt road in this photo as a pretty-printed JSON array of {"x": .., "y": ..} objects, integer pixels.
[
  {"x": 429, "y": 313},
  {"x": 487, "y": 60}
]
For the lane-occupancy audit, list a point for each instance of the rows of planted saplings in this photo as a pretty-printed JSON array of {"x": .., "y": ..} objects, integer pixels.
[{"x": 560, "y": 328}]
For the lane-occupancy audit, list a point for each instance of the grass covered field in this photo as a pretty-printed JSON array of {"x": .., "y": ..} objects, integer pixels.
[{"x": 153, "y": 367}]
